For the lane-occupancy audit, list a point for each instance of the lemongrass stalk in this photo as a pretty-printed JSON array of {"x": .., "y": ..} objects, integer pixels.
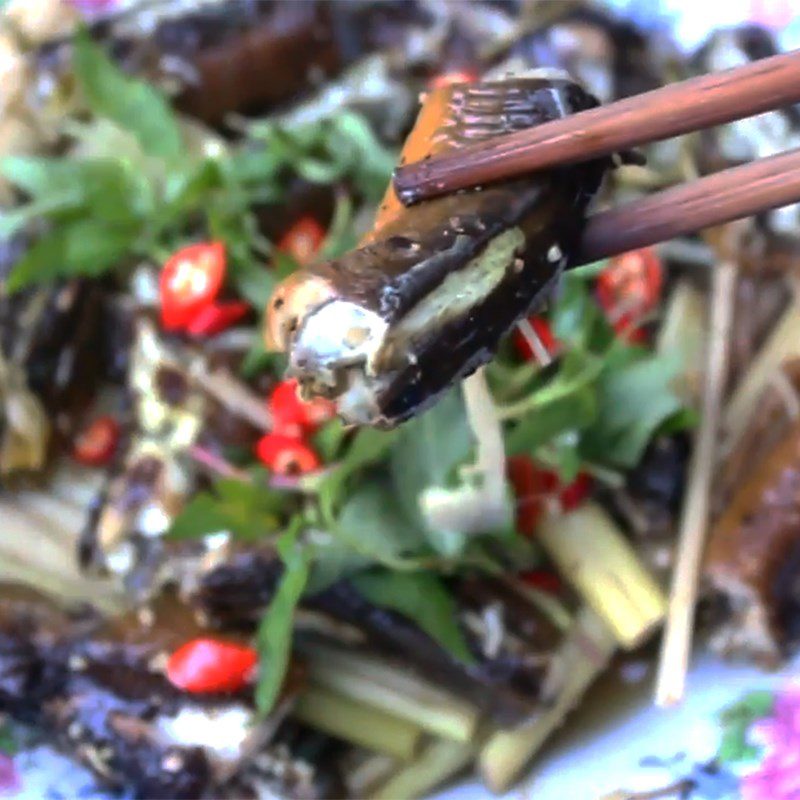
[
  {"x": 582, "y": 656},
  {"x": 782, "y": 344},
  {"x": 368, "y": 772},
  {"x": 357, "y": 723},
  {"x": 684, "y": 332},
  {"x": 677, "y": 640},
  {"x": 594, "y": 555},
  {"x": 438, "y": 761},
  {"x": 37, "y": 553},
  {"x": 377, "y": 683}
]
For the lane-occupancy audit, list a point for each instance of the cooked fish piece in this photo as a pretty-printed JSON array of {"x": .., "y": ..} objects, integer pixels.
[
  {"x": 432, "y": 289},
  {"x": 754, "y": 546}
]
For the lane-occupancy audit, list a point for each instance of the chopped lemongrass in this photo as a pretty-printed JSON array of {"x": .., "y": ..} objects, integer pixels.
[
  {"x": 684, "y": 332},
  {"x": 36, "y": 551},
  {"x": 782, "y": 344},
  {"x": 436, "y": 763},
  {"x": 594, "y": 555},
  {"x": 677, "y": 640},
  {"x": 380, "y": 684},
  {"x": 357, "y": 723},
  {"x": 550, "y": 606},
  {"x": 582, "y": 656},
  {"x": 367, "y": 772}
]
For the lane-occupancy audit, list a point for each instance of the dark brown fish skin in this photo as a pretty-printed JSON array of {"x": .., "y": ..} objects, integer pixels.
[
  {"x": 754, "y": 545},
  {"x": 245, "y": 56},
  {"x": 413, "y": 253},
  {"x": 412, "y": 250}
]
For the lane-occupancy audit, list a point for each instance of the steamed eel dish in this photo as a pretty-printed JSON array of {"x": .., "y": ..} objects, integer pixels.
[{"x": 426, "y": 298}]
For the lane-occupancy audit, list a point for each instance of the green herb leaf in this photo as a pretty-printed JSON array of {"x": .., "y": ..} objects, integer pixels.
[
  {"x": 428, "y": 449},
  {"x": 103, "y": 188},
  {"x": 421, "y": 597},
  {"x": 368, "y": 447},
  {"x": 573, "y": 412},
  {"x": 83, "y": 247},
  {"x": 249, "y": 511},
  {"x": 373, "y": 524},
  {"x": 634, "y": 400},
  {"x": 736, "y": 720},
  {"x": 274, "y": 638},
  {"x": 329, "y": 438},
  {"x": 130, "y": 103},
  {"x": 9, "y": 743}
]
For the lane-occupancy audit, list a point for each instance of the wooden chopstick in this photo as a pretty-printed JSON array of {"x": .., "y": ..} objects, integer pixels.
[
  {"x": 672, "y": 110},
  {"x": 687, "y": 208}
]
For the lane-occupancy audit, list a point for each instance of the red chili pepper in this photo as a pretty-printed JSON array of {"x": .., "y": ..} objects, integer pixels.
[
  {"x": 217, "y": 317},
  {"x": 302, "y": 240},
  {"x": 541, "y": 327},
  {"x": 95, "y": 445},
  {"x": 629, "y": 289},
  {"x": 190, "y": 280},
  {"x": 533, "y": 486},
  {"x": 449, "y": 78},
  {"x": 210, "y": 665},
  {"x": 293, "y": 416},
  {"x": 573, "y": 494},
  {"x": 542, "y": 579},
  {"x": 286, "y": 455}
]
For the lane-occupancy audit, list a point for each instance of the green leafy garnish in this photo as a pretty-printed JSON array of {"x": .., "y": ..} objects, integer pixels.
[
  {"x": 9, "y": 743},
  {"x": 427, "y": 451},
  {"x": 634, "y": 401},
  {"x": 736, "y": 720},
  {"x": 421, "y": 597},
  {"x": 374, "y": 523},
  {"x": 132, "y": 104},
  {"x": 247, "y": 511},
  {"x": 604, "y": 400},
  {"x": 274, "y": 638}
]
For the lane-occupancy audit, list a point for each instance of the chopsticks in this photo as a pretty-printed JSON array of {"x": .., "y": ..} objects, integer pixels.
[
  {"x": 676, "y": 109},
  {"x": 670, "y": 111},
  {"x": 716, "y": 199}
]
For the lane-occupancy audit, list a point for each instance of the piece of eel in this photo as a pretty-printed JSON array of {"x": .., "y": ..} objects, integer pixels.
[{"x": 432, "y": 289}]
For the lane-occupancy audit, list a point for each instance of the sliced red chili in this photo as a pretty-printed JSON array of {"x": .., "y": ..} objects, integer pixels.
[
  {"x": 542, "y": 579},
  {"x": 630, "y": 287},
  {"x": 286, "y": 455},
  {"x": 293, "y": 416},
  {"x": 96, "y": 444},
  {"x": 573, "y": 494},
  {"x": 190, "y": 280},
  {"x": 303, "y": 240},
  {"x": 209, "y": 665},
  {"x": 541, "y": 327},
  {"x": 534, "y": 486},
  {"x": 217, "y": 317}
]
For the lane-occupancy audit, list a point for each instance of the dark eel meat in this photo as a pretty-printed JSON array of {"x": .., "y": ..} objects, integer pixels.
[{"x": 432, "y": 289}]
